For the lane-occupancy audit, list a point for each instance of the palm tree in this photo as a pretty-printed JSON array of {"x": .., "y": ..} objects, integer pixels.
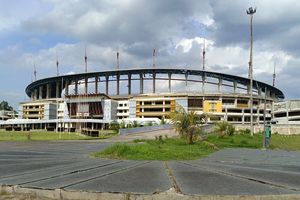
[
  {"x": 224, "y": 128},
  {"x": 186, "y": 123}
]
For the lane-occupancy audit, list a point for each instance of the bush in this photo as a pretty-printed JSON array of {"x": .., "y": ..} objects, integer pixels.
[
  {"x": 230, "y": 130},
  {"x": 114, "y": 126},
  {"x": 123, "y": 124},
  {"x": 224, "y": 128},
  {"x": 148, "y": 124},
  {"x": 245, "y": 131},
  {"x": 135, "y": 124}
]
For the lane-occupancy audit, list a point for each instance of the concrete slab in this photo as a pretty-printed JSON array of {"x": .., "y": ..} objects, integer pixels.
[
  {"x": 61, "y": 181},
  {"x": 192, "y": 180},
  {"x": 286, "y": 179},
  {"x": 47, "y": 173},
  {"x": 67, "y": 165},
  {"x": 146, "y": 179}
]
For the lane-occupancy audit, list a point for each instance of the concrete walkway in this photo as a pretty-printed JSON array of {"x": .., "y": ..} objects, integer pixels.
[{"x": 68, "y": 166}]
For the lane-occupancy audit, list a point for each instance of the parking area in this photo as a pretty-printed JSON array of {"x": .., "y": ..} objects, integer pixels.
[{"x": 68, "y": 165}]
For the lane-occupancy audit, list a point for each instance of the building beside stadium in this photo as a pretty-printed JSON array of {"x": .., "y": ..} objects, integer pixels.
[
  {"x": 94, "y": 100},
  {"x": 287, "y": 112}
]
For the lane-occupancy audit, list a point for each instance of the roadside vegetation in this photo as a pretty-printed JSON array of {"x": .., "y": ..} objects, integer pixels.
[
  {"x": 193, "y": 143},
  {"x": 163, "y": 148},
  {"x": 41, "y": 135}
]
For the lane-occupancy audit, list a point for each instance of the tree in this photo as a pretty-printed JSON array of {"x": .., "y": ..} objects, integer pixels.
[
  {"x": 186, "y": 123},
  {"x": 5, "y": 106}
]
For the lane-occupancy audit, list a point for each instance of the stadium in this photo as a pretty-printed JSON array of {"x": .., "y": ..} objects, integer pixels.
[{"x": 93, "y": 100}]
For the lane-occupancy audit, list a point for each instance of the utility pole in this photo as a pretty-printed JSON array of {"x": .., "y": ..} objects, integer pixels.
[
  {"x": 251, "y": 12},
  {"x": 265, "y": 108}
]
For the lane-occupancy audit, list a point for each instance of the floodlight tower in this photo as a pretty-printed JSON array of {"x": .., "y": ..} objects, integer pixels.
[
  {"x": 274, "y": 76},
  {"x": 57, "y": 63},
  {"x": 251, "y": 12}
]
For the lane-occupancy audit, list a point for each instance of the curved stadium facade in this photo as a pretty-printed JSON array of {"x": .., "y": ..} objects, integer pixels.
[{"x": 93, "y": 100}]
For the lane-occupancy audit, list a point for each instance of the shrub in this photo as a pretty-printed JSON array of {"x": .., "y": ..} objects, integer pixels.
[
  {"x": 122, "y": 124},
  {"x": 224, "y": 128},
  {"x": 135, "y": 124},
  {"x": 245, "y": 131},
  {"x": 148, "y": 124},
  {"x": 244, "y": 142},
  {"x": 114, "y": 126},
  {"x": 230, "y": 130}
]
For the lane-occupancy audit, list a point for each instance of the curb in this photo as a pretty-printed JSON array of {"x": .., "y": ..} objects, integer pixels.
[{"x": 60, "y": 194}]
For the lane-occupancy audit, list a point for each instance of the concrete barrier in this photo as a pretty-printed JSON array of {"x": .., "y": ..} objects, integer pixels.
[
  {"x": 144, "y": 129},
  {"x": 282, "y": 129},
  {"x": 16, "y": 192}
]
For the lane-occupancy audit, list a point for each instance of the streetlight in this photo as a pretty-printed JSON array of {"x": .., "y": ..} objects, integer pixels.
[{"x": 251, "y": 12}]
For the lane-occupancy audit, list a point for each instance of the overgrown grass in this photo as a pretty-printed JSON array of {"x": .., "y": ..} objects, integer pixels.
[
  {"x": 290, "y": 143},
  {"x": 237, "y": 140},
  {"x": 178, "y": 149},
  {"x": 44, "y": 135},
  {"x": 166, "y": 149}
]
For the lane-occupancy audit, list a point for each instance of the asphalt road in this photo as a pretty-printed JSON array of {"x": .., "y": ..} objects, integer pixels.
[{"x": 67, "y": 165}]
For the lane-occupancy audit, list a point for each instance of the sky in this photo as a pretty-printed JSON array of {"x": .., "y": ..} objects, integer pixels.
[{"x": 36, "y": 32}]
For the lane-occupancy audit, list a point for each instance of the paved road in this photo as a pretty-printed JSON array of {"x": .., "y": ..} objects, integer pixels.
[{"x": 67, "y": 165}]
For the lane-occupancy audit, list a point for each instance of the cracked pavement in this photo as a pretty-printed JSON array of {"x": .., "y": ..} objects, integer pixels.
[{"x": 67, "y": 165}]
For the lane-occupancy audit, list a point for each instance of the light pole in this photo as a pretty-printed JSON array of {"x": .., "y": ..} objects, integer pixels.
[{"x": 251, "y": 12}]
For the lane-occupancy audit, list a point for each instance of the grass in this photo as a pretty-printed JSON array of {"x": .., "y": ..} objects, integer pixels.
[
  {"x": 167, "y": 149},
  {"x": 178, "y": 149},
  {"x": 290, "y": 143},
  {"x": 41, "y": 135}
]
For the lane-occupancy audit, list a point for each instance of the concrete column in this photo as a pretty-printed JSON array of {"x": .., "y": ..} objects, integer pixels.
[
  {"x": 186, "y": 78},
  {"x": 234, "y": 86},
  {"x": 96, "y": 84},
  {"x": 257, "y": 111},
  {"x": 48, "y": 92},
  {"x": 35, "y": 95},
  {"x": 66, "y": 88},
  {"x": 40, "y": 92},
  {"x": 272, "y": 95},
  {"x": 106, "y": 83},
  {"x": 58, "y": 91},
  {"x": 220, "y": 85},
  {"x": 86, "y": 85},
  {"x": 154, "y": 75},
  {"x": 32, "y": 95},
  {"x": 259, "y": 91},
  {"x": 248, "y": 89},
  {"x": 141, "y": 83},
  {"x": 268, "y": 94},
  {"x": 243, "y": 117},
  {"x": 129, "y": 84},
  {"x": 118, "y": 84},
  {"x": 287, "y": 111},
  {"x": 76, "y": 87},
  {"x": 235, "y": 102},
  {"x": 203, "y": 83},
  {"x": 169, "y": 76}
]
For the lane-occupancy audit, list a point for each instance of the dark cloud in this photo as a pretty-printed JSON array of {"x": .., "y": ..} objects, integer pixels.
[
  {"x": 275, "y": 24},
  {"x": 175, "y": 28}
]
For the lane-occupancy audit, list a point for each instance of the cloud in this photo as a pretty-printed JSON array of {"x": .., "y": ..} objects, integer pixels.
[{"x": 33, "y": 32}]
